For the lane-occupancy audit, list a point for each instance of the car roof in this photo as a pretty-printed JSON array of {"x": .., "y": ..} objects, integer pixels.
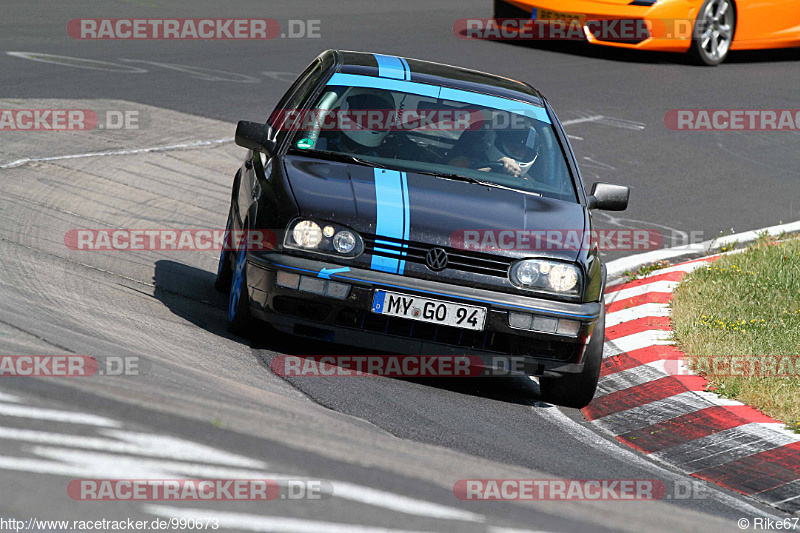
[{"x": 437, "y": 74}]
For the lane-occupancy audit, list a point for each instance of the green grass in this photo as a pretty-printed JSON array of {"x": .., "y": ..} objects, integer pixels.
[
  {"x": 746, "y": 304},
  {"x": 645, "y": 270}
]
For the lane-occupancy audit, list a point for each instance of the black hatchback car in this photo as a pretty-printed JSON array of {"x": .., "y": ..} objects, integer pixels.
[{"x": 420, "y": 208}]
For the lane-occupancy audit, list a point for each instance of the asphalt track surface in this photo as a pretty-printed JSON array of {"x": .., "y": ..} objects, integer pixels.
[{"x": 394, "y": 443}]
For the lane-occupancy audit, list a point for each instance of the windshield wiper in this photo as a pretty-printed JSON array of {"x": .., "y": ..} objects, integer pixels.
[
  {"x": 348, "y": 158},
  {"x": 336, "y": 156},
  {"x": 476, "y": 181}
]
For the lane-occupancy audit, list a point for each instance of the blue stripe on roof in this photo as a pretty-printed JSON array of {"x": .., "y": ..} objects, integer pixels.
[
  {"x": 407, "y": 68},
  {"x": 390, "y": 67},
  {"x": 495, "y": 102},
  {"x": 446, "y": 93},
  {"x": 357, "y": 80}
]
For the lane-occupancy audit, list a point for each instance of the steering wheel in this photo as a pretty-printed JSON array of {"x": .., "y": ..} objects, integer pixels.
[{"x": 494, "y": 166}]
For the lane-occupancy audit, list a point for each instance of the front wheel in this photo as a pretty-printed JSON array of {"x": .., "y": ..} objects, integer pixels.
[
  {"x": 239, "y": 318},
  {"x": 713, "y": 32},
  {"x": 577, "y": 390}
]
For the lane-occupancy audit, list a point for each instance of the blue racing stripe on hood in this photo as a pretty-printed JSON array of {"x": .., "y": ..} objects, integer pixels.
[
  {"x": 406, "y": 219},
  {"x": 391, "y": 203}
]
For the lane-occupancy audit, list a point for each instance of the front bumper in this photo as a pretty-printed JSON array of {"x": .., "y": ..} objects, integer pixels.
[
  {"x": 671, "y": 23},
  {"x": 350, "y": 321}
]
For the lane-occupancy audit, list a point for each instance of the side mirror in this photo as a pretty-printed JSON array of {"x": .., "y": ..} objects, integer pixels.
[
  {"x": 255, "y": 136},
  {"x": 608, "y": 197}
]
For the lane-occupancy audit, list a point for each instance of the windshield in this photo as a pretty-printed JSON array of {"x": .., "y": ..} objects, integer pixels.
[{"x": 424, "y": 128}]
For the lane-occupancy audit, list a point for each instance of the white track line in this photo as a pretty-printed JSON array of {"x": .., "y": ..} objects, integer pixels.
[
  {"x": 37, "y": 413},
  {"x": 492, "y": 529},
  {"x": 107, "y": 466},
  {"x": 130, "y": 151},
  {"x": 593, "y": 118},
  {"x": 133, "y": 444},
  {"x": 9, "y": 398},
  {"x": 643, "y": 339},
  {"x": 647, "y": 310},
  {"x": 631, "y": 262},
  {"x": 254, "y": 522},
  {"x": 608, "y": 121},
  {"x": 639, "y": 375},
  {"x": 651, "y": 413},
  {"x": 726, "y": 446},
  {"x": 780, "y": 495},
  {"x": 632, "y": 292},
  {"x": 590, "y": 437},
  {"x": 626, "y": 379},
  {"x": 402, "y": 504}
]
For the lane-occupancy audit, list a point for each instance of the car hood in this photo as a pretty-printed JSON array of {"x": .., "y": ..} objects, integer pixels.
[{"x": 438, "y": 210}]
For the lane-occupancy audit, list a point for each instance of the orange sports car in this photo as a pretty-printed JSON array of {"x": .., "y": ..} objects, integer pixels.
[{"x": 706, "y": 29}]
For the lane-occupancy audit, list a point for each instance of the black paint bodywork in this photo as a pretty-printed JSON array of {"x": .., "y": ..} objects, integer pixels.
[{"x": 270, "y": 192}]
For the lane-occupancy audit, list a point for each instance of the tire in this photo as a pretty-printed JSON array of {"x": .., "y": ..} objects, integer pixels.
[
  {"x": 577, "y": 390},
  {"x": 239, "y": 317},
  {"x": 713, "y": 32},
  {"x": 224, "y": 271}
]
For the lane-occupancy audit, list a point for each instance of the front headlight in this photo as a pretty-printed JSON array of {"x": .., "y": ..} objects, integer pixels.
[
  {"x": 323, "y": 237},
  {"x": 307, "y": 234},
  {"x": 344, "y": 241},
  {"x": 551, "y": 276}
]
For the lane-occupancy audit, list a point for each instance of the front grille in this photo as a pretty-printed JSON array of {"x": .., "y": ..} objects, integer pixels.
[
  {"x": 603, "y": 33},
  {"x": 492, "y": 341},
  {"x": 298, "y": 307},
  {"x": 412, "y": 329},
  {"x": 415, "y": 252}
]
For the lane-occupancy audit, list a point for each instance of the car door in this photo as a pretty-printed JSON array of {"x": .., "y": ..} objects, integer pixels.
[{"x": 773, "y": 22}]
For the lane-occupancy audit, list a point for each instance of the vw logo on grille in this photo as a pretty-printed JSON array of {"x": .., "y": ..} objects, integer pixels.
[{"x": 436, "y": 259}]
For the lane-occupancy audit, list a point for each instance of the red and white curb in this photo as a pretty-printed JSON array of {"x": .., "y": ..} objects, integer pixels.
[{"x": 668, "y": 415}]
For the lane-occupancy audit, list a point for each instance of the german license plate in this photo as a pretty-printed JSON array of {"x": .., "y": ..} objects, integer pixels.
[
  {"x": 569, "y": 18},
  {"x": 429, "y": 310}
]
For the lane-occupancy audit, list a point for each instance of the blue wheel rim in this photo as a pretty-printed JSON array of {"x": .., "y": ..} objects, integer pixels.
[{"x": 236, "y": 284}]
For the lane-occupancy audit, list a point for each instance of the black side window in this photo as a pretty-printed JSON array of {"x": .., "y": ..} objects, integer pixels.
[{"x": 295, "y": 96}]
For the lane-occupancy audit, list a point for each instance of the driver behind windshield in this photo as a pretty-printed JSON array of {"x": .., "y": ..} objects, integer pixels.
[
  {"x": 357, "y": 136},
  {"x": 509, "y": 150}
]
